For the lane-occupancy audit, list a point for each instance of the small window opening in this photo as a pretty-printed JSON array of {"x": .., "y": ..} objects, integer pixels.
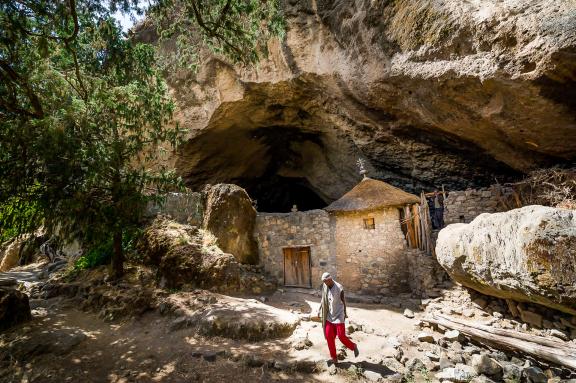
[{"x": 369, "y": 224}]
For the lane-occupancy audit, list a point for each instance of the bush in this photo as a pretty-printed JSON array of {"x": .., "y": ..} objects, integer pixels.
[
  {"x": 101, "y": 254},
  {"x": 96, "y": 256}
]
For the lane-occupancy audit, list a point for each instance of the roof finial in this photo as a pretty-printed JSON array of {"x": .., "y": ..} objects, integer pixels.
[{"x": 360, "y": 164}]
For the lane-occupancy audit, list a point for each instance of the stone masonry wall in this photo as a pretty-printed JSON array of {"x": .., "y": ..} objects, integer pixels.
[
  {"x": 181, "y": 207},
  {"x": 275, "y": 231},
  {"x": 465, "y": 205},
  {"x": 425, "y": 272},
  {"x": 371, "y": 261}
]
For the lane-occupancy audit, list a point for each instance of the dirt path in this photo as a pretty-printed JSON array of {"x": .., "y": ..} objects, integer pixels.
[{"x": 63, "y": 344}]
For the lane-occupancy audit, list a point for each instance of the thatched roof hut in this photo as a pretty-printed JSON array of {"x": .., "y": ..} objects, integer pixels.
[{"x": 372, "y": 194}]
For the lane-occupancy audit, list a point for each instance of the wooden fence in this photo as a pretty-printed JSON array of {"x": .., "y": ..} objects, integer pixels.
[{"x": 417, "y": 225}]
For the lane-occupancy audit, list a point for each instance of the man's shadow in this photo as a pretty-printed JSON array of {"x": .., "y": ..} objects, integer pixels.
[{"x": 367, "y": 366}]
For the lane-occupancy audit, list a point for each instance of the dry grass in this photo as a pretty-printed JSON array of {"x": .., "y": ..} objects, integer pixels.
[{"x": 549, "y": 187}]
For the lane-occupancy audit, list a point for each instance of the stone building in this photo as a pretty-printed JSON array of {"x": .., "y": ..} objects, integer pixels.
[{"x": 357, "y": 238}]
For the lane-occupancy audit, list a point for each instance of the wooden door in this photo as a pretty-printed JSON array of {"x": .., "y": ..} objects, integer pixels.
[{"x": 297, "y": 267}]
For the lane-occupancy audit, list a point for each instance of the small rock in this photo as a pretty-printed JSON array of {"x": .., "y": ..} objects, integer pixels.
[
  {"x": 432, "y": 356},
  {"x": 469, "y": 313},
  {"x": 425, "y": 337},
  {"x": 408, "y": 313},
  {"x": 534, "y": 375},
  {"x": 414, "y": 364},
  {"x": 393, "y": 364},
  {"x": 372, "y": 376},
  {"x": 484, "y": 365},
  {"x": 459, "y": 374},
  {"x": 497, "y": 315},
  {"x": 445, "y": 361},
  {"x": 531, "y": 317},
  {"x": 511, "y": 372},
  {"x": 558, "y": 334},
  {"x": 452, "y": 335}
]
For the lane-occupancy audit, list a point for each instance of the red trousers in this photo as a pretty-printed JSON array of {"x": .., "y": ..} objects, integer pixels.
[{"x": 333, "y": 329}]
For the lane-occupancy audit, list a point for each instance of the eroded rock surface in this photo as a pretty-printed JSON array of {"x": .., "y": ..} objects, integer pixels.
[
  {"x": 230, "y": 217},
  {"x": 429, "y": 93},
  {"x": 229, "y": 317},
  {"x": 526, "y": 254},
  {"x": 186, "y": 255},
  {"x": 14, "y": 308}
]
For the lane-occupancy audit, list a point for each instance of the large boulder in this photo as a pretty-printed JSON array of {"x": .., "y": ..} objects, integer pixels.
[
  {"x": 10, "y": 254},
  {"x": 14, "y": 308},
  {"x": 230, "y": 217},
  {"x": 526, "y": 254},
  {"x": 182, "y": 256}
]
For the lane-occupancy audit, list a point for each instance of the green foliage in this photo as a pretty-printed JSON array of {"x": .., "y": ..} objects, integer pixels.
[
  {"x": 17, "y": 215},
  {"x": 237, "y": 29},
  {"x": 85, "y": 116},
  {"x": 101, "y": 253},
  {"x": 96, "y": 256}
]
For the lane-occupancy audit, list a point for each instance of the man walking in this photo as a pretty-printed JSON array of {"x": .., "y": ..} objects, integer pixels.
[{"x": 332, "y": 312}]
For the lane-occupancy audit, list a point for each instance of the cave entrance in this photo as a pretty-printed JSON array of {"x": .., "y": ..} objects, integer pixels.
[{"x": 276, "y": 193}]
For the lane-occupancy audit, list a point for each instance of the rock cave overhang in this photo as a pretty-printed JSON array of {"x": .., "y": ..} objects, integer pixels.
[{"x": 288, "y": 146}]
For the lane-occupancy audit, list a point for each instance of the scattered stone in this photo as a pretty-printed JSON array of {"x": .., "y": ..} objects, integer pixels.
[
  {"x": 425, "y": 337},
  {"x": 393, "y": 364},
  {"x": 408, "y": 313},
  {"x": 447, "y": 311},
  {"x": 530, "y": 317},
  {"x": 303, "y": 344},
  {"x": 469, "y": 313},
  {"x": 558, "y": 334},
  {"x": 511, "y": 372},
  {"x": 445, "y": 361},
  {"x": 459, "y": 374},
  {"x": 432, "y": 356},
  {"x": 512, "y": 307},
  {"x": 414, "y": 364},
  {"x": 372, "y": 376},
  {"x": 497, "y": 315},
  {"x": 534, "y": 375},
  {"x": 452, "y": 335},
  {"x": 484, "y": 365}
]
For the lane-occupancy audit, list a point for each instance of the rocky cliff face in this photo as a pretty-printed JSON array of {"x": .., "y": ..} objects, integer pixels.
[{"x": 428, "y": 92}]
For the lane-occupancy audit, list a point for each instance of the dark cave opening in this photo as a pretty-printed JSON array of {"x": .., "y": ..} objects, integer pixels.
[{"x": 278, "y": 194}]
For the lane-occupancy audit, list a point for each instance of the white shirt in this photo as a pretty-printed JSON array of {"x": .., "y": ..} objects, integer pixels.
[{"x": 335, "y": 304}]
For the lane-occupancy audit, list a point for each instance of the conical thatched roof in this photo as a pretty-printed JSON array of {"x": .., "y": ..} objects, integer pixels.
[{"x": 372, "y": 194}]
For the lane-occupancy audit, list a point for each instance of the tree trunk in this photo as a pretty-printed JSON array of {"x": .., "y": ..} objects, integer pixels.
[{"x": 117, "y": 270}]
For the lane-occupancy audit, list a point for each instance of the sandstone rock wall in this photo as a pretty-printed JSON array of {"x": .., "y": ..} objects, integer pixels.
[
  {"x": 463, "y": 206},
  {"x": 275, "y": 231},
  {"x": 428, "y": 92},
  {"x": 526, "y": 254}
]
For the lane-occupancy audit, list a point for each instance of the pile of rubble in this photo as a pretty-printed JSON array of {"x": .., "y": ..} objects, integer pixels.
[{"x": 459, "y": 358}]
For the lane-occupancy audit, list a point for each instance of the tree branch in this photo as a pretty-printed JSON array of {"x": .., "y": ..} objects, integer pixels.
[{"x": 32, "y": 97}]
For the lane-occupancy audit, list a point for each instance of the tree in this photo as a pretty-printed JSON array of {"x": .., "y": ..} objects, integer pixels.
[{"x": 84, "y": 110}]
